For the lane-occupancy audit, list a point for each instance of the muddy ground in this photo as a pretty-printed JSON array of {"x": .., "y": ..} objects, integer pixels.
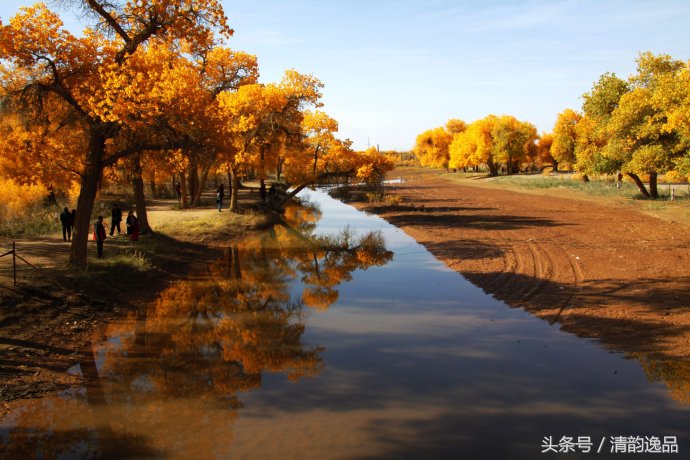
[{"x": 600, "y": 270}]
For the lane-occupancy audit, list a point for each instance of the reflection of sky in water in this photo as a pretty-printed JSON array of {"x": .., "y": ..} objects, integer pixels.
[{"x": 419, "y": 363}]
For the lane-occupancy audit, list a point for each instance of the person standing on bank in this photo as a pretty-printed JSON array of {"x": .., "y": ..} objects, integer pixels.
[
  {"x": 66, "y": 221},
  {"x": 132, "y": 226},
  {"x": 220, "y": 194},
  {"x": 99, "y": 230},
  {"x": 116, "y": 218}
]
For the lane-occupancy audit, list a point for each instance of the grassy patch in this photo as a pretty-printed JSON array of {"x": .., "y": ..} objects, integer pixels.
[
  {"x": 36, "y": 220},
  {"x": 594, "y": 187},
  {"x": 123, "y": 267},
  {"x": 141, "y": 266},
  {"x": 598, "y": 190},
  {"x": 209, "y": 225}
]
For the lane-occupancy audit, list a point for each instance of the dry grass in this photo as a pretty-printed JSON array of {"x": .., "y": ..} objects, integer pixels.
[{"x": 205, "y": 225}]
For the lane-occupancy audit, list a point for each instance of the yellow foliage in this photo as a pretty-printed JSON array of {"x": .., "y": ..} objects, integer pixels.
[
  {"x": 24, "y": 209},
  {"x": 371, "y": 166},
  {"x": 16, "y": 198},
  {"x": 565, "y": 136},
  {"x": 431, "y": 147},
  {"x": 544, "y": 149},
  {"x": 258, "y": 121},
  {"x": 674, "y": 176},
  {"x": 474, "y": 146},
  {"x": 513, "y": 140}
]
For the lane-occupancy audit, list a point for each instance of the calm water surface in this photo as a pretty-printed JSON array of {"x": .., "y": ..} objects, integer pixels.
[{"x": 297, "y": 345}]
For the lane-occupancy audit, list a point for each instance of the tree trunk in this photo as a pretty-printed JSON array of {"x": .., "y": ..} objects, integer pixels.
[
  {"x": 279, "y": 206},
  {"x": 183, "y": 190},
  {"x": 233, "y": 258},
  {"x": 585, "y": 178},
  {"x": 139, "y": 197},
  {"x": 640, "y": 185},
  {"x": 316, "y": 159},
  {"x": 230, "y": 187},
  {"x": 201, "y": 185},
  {"x": 87, "y": 196},
  {"x": 493, "y": 167},
  {"x": 152, "y": 185},
  {"x": 279, "y": 169},
  {"x": 555, "y": 166},
  {"x": 235, "y": 181},
  {"x": 193, "y": 180},
  {"x": 95, "y": 397},
  {"x": 653, "y": 191},
  {"x": 262, "y": 173}
]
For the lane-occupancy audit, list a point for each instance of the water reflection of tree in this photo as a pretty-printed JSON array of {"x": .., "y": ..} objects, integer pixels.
[
  {"x": 242, "y": 320},
  {"x": 326, "y": 261},
  {"x": 214, "y": 337},
  {"x": 180, "y": 367},
  {"x": 674, "y": 373}
]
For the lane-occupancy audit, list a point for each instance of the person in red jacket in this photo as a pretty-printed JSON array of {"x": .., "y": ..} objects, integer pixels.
[
  {"x": 132, "y": 226},
  {"x": 99, "y": 230}
]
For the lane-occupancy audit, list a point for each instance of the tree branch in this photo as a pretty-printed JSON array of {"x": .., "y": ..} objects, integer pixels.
[
  {"x": 131, "y": 46},
  {"x": 59, "y": 88},
  {"x": 131, "y": 150},
  {"x": 98, "y": 8}
]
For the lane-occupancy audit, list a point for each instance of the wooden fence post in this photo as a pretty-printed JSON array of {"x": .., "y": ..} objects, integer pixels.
[{"x": 14, "y": 262}]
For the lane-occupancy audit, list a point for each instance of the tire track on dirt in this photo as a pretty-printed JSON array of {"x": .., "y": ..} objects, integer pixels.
[
  {"x": 541, "y": 264},
  {"x": 578, "y": 279},
  {"x": 532, "y": 273}
]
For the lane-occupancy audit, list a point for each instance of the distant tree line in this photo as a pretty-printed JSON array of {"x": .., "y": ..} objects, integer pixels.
[{"x": 639, "y": 127}]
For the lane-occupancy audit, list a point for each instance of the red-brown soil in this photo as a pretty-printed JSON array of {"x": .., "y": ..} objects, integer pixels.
[{"x": 600, "y": 270}]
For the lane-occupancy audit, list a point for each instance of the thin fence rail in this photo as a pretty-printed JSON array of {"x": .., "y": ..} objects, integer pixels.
[
  {"x": 15, "y": 256},
  {"x": 13, "y": 253}
]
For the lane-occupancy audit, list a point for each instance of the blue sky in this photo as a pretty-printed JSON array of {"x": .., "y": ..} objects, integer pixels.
[{"x": 393, "y": 69}]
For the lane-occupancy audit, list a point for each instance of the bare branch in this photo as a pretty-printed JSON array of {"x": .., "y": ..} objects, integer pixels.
[
  {"x": 109, "y": 19},
  {"x": 60, "y": 89}
]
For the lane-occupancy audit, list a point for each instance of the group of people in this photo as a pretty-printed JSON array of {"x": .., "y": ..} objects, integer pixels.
[
  {"x": 68, "y": 217},
  {"x": 67, "y": 220},
  {"x": 99, "y": 233},
  {"x": 99, "y": 230}
]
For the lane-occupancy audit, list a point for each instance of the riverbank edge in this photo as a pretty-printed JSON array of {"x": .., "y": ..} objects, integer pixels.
[{"x": 620, "y": 329}]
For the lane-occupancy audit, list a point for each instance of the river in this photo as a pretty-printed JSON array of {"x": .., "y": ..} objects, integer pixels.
[{"x": 353, "y": 345}]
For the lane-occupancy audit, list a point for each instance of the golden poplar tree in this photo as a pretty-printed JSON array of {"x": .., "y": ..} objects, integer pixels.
[
  {"x": 565, "y": 138},
  {"x": 93, "y": 80}
]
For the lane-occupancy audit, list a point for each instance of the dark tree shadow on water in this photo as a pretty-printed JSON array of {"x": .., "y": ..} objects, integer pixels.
[
  {"x": 565, "y": 303},
  {"x": 646, "y": 334}
]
